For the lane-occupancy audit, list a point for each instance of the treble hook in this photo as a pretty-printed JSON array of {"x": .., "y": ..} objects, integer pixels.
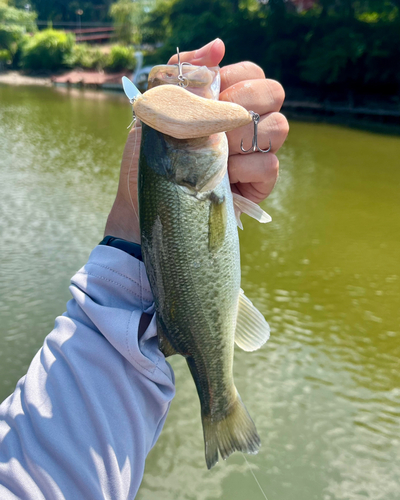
[
  {"x": 254, "y": 145},
  {"x": 182, "y": 80}
]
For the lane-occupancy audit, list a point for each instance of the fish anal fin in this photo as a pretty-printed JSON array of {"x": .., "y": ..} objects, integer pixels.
[
  {"x": 244, "y": 205},
  {"x": 164, "y": 344},
  {"x": 252, "y": 331},
  {"x": 217, "y": 222},
  {"x": 235, "y": 432}
]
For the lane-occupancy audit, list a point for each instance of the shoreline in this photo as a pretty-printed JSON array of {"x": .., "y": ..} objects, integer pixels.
[
  {"x": 17, "y": 78},
  {"x": 380, "y": 119}
]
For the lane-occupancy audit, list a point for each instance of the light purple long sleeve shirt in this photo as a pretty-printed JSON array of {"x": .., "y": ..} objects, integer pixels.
[{"x": 81, "y": 422}]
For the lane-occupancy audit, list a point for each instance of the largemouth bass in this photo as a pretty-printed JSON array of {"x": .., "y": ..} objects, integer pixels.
[{"x": 190, "y": 248}]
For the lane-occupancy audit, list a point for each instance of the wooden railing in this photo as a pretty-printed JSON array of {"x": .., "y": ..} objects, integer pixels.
[{"x": 93, "y": 34}]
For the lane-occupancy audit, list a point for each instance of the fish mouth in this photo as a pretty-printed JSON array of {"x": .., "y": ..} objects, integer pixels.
[{"x": 201, "y": 80}]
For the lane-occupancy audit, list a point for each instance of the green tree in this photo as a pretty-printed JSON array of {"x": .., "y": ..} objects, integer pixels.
[
  {"x": 190, "y": 23},
  {"x": 14, "y": 24},
  {"x": 156, "y": 27},
  {"x": 352, "y": 8},
  {"x": 128, "y": 16},
  {"x": 334, "y": 58},
  {"x": 59, "y": 11},
  {"x": 342, "y": 44}
]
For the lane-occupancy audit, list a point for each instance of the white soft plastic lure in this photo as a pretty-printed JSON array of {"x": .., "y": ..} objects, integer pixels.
[{"x": 130, "y": 89}]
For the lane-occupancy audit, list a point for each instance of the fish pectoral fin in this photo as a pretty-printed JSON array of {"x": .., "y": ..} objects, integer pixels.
[
  {"x": 243, "y": 205},
  {"x": 252, "y": 331},
  {"x": 164, "y": 344}
]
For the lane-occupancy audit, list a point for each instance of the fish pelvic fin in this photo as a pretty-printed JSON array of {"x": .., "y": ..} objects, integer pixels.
[
  {"x": 236, "y": 432},
  {"x": 252, "y": 330}
]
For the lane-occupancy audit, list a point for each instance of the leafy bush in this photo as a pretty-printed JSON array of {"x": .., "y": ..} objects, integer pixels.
[
  {"x": 14, "y": 23},
  {"x": 85, "y": 56},
  {"x": 5, "y": 56},
  {"x": 120, "y": 58},
  {"x": 47, "y": 49}
]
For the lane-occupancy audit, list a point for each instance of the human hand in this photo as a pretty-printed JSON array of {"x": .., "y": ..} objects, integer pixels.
[{"x": 253, "y": 175}]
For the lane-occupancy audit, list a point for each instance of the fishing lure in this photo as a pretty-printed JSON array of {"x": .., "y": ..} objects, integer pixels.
[{"x": 175, "y": 111}]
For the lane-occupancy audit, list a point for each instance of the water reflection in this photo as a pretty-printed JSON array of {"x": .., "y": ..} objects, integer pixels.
[{"x": 324, "y": 392}]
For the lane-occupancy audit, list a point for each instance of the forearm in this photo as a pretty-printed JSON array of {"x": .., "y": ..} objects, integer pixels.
[{"x": 82, "y": 421}]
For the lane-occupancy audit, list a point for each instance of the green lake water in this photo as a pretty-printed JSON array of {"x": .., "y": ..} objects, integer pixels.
[{"x": 325, "y": 390}]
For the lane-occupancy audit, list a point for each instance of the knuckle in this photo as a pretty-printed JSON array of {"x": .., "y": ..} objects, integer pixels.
[
  {"x": 280, "y": 124},
  {"x": 270, "y": 165},
  {"x": 274, "y": 165},
  {"x": 276, "y": 92},
  {"x": 252, "y": 69}
]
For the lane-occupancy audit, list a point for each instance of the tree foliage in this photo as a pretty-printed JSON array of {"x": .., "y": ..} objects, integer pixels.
[
  {"x": 47, "y": 49},
  {"x": 120, "y": 58},
  {"x": 14, "y": 24},
  {"x": 127, "y": 16},
  {"x": 65, "y": 10},
  {"x": 85, "y": 56},
  {"x": 337, "y": 44}
]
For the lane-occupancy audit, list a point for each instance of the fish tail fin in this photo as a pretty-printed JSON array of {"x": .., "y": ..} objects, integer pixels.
[{"x": 236, "y": 432}]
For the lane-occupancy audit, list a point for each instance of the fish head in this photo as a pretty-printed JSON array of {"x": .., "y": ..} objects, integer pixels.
[{"x": 197, "y": 165}]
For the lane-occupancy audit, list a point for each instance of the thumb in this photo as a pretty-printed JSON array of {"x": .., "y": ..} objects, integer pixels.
[{"x": 209, "y": 55}]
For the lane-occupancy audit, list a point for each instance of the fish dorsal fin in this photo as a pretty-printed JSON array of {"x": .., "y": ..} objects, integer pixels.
[
  {"x": 243, "y": 205},
  {"x": 252, "y": 331}
]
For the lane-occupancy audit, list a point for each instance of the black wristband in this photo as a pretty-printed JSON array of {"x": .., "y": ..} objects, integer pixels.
[{"x": 126, "y": 246}]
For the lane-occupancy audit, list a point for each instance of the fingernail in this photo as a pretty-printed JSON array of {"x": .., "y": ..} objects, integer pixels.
[{"x": 204, "y": 50}]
